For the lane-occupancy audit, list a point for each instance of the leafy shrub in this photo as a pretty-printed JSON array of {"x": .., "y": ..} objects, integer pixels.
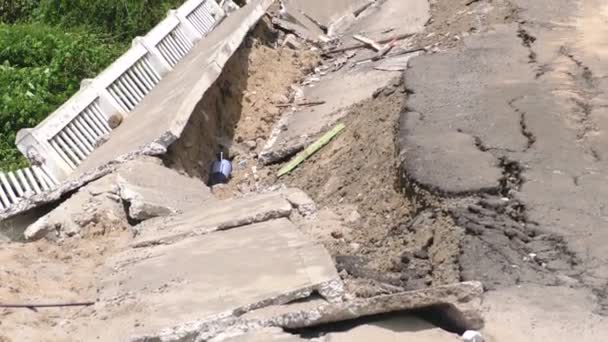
[
  {"x": 121, "y": 19},
  {"x": 12, "y": 11},
  {"x": 41, "y": 68},
  {"x": 51, "y": 45}
]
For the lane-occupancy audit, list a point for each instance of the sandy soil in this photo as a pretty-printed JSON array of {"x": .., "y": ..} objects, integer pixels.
[
  {"x": 236, "y": 115},
  {"x": 46, "y": 272}
]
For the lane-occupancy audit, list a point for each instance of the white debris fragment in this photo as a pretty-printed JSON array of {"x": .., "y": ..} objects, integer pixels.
[{"x": 472, "y": 336}]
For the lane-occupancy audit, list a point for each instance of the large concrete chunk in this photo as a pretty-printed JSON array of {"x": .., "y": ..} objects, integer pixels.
[
  {"x": 338, "y": 91},
  {"x": 401, "y": 16},
  {"x": 398, "y": 327},
  {"x": 296, "y": 16},
  {"x": 213, "y": 276},
  {"x": 148, "y": 188},
  {"x": 153, "y": 190},
  {"x": 94, "y": 209},
  {"x": 464, "y": 298},
  {"x": 218, "y": 215},
  {"x": 326, "y": 12}
]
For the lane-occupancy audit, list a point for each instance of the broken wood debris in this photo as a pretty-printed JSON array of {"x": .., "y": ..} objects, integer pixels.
[
  {"x": 300, "y": 104},
  {"x": 397, "y": 53},
  {"x": 357, "y": 12},
  {"x": 386, "y": 49},
  {"x": 390, "y": 68},
  {"x": 310, "y": 150},
  {"x": 298, "y": 30},
  {"x": 54, "y": 305},
  {"x": 369, "y": 42},
  {"x": 381, "y": 41}
]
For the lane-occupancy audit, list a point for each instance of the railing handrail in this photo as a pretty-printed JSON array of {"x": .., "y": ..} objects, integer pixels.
[
  {"x": 59, "y": 143},
  {"x": 110, "y": 73}
]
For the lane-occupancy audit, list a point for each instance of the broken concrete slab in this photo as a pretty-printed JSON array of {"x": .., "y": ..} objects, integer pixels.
[
  {"x": 397, "y": 327},
  {"x": 141, "y": 184},
  {"x": 217, "y": 215},
  {"x": 152, "y": 190},
  {"x": 301, "y": 201},
  {"x": 324, "y": 12},
  {"x": 13, "y": 229},
  {"x": 337, "y": 91},
  {"x": 290, "y": 42},
  {"x": 397, "y": 16},
  {"x": 295, "y": 15},
  {"x": 462, "y": 301},
  {"x": 297, "y": 30},
  {"x": 208, "y": 278},
  {"x": 94, "y": 209},
  {"x": 309, "y": 29}
]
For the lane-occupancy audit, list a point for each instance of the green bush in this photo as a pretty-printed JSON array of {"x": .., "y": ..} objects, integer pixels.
[
  {"x": 41, "y": 68},
  {"x": 122, "y": 20},
  {"x": 12, "y": 11},
  {"x": 48, "y": 46}
]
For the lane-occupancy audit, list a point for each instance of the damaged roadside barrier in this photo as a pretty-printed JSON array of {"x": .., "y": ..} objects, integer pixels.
[{"x": 221, "y": 169}]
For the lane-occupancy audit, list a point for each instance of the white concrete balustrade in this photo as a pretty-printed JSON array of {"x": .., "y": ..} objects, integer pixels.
[
  {"x": 22, "y": 183},
  {"x": 70, "y": 134}
]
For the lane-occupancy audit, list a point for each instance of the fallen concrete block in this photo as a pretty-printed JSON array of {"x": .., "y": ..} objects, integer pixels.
[
  {"x": 326, "y": 12},
  {"x": 94, "y": 209},
  {"x": 301, "y": 201},
  {"x": 290, "y": 13},
  {"x": 141, "y": 183},
  {"x": 338, "y": 91},
  {"x": 291, "y": 42},
  {"x": 152, "y": 190},
  {"x": 464, "y": 297},
  {"x": 217, "y": 215},
  {"x": 464, "y": 300},
  {"x": 210, "y": 278},
  {"x": 297, "y": 30}
]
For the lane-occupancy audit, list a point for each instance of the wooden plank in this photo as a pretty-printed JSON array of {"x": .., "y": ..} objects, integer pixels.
[
  {"x": 381, "y": 41},
  {"x": 368, "y": 42},
  {"x": 310, "y": 150}
]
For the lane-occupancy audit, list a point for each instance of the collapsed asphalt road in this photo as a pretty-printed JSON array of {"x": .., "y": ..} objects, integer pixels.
[{"x": 509, "y": 132}]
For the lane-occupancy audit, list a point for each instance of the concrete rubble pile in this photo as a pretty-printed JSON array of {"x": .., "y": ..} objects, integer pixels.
[{"x": 199, "y": 268}]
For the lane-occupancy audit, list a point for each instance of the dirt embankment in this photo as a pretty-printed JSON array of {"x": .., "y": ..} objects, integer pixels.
[
  {"x": 236, "y": 115},
  {"x": 356, "y": 177}
]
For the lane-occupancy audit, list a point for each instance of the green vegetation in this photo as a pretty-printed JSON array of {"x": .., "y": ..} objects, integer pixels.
[{"x": 48, "y": 46}]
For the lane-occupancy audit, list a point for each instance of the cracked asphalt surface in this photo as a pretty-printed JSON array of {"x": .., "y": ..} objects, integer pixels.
[{"x": 509, "y": 132}]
